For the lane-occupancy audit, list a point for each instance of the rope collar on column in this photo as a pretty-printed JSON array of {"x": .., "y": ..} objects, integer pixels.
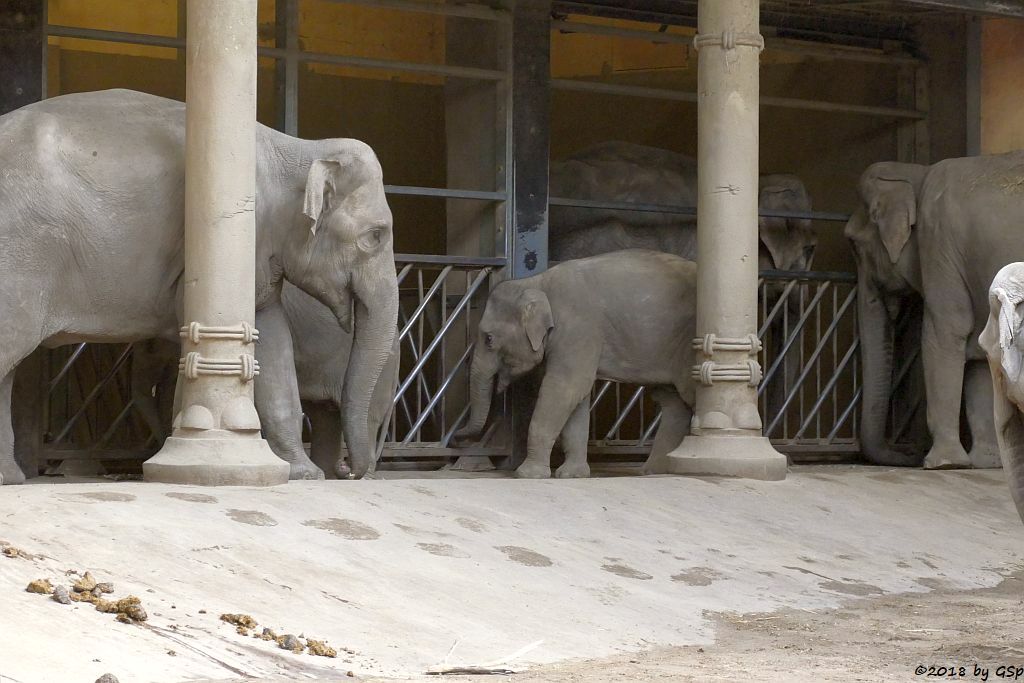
[{"x": 729, "y": 40}]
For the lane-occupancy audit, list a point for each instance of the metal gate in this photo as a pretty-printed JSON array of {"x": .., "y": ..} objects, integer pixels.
[{"x": 809, "y": 396}]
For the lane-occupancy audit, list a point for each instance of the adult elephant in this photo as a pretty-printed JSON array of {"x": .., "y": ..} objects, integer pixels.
[
  {"x": 321, "y": 361},
  {"x": 1003, "y": 341},
  {"x": 92, "y": 216},
  {"x": 944, "y": 231},
  {"x": 625, "y": 172}
]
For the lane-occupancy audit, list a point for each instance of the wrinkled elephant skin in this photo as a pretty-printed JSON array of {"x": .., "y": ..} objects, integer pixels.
[
  {"x": 92, "y": 215},
  {"x": 943, "y": 231},
  {"x": 579, "y": 319},
  {"x": 1003, "y": 341}
]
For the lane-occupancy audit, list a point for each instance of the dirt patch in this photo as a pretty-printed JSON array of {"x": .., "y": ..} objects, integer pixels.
[
  {"x": 471, "y": 524},
  {"x": 625, "y": 571},
  {"x": 525, "y": 556},
  {"x": 346, "y": 528},
  {"x": 414, "y": 531},
  {"x": 851, "y": 587},
  {"x": 253, "y": 517},
  {"x": 106, "y": 496},
  {"x": 191, "y": 497},
  {"x": 442, "y": 550},
  {"x": 697, "y": 576},
  {"x": 882, "y": 638}
]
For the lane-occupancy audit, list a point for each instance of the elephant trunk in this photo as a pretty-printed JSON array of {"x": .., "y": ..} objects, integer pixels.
[
  {"x": 876, "y": 387},
  {"x": 376, "y": 317},
  {"x": 481, "y": 389}
]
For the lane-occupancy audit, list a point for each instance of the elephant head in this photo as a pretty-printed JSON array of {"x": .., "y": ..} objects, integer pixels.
[
  {"x": 880, "y": 232},
  {"x": 344, "y": 258},
  {"x": 1003, "y": 341},
  {"x": 510, "y": 342},
  {"x": 790, "y": 242}
]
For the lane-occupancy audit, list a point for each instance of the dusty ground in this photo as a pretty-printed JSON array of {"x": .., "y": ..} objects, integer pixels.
[{"x": 872, "y": 639}]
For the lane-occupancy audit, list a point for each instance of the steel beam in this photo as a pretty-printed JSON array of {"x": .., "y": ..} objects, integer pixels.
[
  {"x": 531, "y": 103},
  {"x": 996, "y": 8},
  {"x": 21, "y": 53}
]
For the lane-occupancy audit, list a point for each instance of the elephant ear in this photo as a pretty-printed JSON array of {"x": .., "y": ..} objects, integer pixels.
[
  {"x": 1009, "y": 329},
  {"x": 892, "y": 205},
  {"x": 320, "y": 180},
  {"x": 536, "y": 318}
]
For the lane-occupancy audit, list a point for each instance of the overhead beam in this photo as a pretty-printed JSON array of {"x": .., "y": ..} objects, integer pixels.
[{"x": 999, "y": 8}]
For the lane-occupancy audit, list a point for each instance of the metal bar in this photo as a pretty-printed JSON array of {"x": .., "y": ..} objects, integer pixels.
[
  {"x": 766, "y": 101},
  {"x": 424, "y": 301},
  {"x": 600, "y": 394},
  {"x": 624, "y": 412},
  {"x": 287, "y": 68},
  {"x": 854, "y": 402},
  {"x": 809, "y": 276},
  {"x": 688, "y": 210},
  {"x": 280, "y": 53},
  {"x": 403, "y": 273},
  {"x": 818, "y": 51},
  {"x": 996, "y": 8},
  {"x": 480, "y": 279},
  {"x": 67, "y": 366},
  {"x": 792, "y": 338},
  {"x": 468, "y": 10},
  {"x": 431, "y": 259},
  {"x": 973, "y": 89},
  {"x": 100, "y": 386},
  {"x": 531, "y": 135},
  {"x": 649, "y": 432},
  {"x": 769, "y": 318},
  {"x": 823, "y": 394},
  {"x": 113, "y": 426},
  {"x": 437, "y": 395},
  {"x": 415, "y": 191}
]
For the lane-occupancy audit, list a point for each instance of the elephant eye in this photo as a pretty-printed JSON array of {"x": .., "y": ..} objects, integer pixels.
[
  {"x": 489, "y": 340},
  {"x": 371, "y": 239}
]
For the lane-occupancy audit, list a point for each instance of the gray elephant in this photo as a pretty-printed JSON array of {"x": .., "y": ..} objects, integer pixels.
[
  {"x": 625, "y": 172},
  {"x": 1003, "y": 341},
  {"x": 91, "y": 219},
  {"x": 943, "y": 231},
  {"x": 626, "y": 316},
  {"x": 321, "y": 356}
]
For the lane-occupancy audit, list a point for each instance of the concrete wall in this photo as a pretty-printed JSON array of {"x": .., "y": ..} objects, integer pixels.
[{"x": 1002, "y": 88}]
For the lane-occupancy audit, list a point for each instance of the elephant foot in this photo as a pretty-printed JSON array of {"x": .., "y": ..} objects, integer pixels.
[
  {"x": 304, "y": 470},
  {"x": 947, "y": 458},
  {"x": 985, "y": 456},
  {"x": 533, "y": 470},
  {"x": 574, "y": 470},
  {"x": 10, "y": 473}
]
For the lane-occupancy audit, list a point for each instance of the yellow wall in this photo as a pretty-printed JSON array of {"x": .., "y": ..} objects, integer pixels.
[{"x": 1002, "y": 85}]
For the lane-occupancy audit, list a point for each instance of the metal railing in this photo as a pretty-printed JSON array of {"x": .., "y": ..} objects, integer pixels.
[{"x": 809, "y": 397}]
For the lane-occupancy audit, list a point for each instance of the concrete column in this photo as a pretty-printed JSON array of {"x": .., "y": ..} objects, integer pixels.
[
  {"x": 726, "y": 429},
  {"x": 216, "y": 438}
]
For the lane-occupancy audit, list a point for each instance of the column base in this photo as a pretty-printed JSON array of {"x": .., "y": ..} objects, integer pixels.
[
  {"x": 227, "y": 460},
  {"x": 748, "y": 457}
]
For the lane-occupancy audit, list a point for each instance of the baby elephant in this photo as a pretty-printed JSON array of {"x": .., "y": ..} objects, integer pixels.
[{"x": 626, "y": 315}]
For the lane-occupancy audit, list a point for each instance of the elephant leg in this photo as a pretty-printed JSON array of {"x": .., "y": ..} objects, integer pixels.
[
  {"x": 27, "y": 397},
  {"x": 675, "y": 424},
  {"x": 943, "y": 349},
  {"x": 10, "y": 473},
  {"x": 575, "y": 437},
  {"x": 1009, "y": 427},
  {"x": 978, "y": 398},
  {"x": 277, "y": 393},
  {"x": 325, "y": 449},
  {"x": 561, "y": 391}
]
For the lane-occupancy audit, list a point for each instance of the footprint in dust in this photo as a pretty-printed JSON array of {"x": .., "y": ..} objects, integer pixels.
[
  {"x": 626, "y": 571},
  {"x": 191, "y": 497},
  {"x": 857, "y": 588},
  {"x": 471, "y": 524},
  {"x": 346, "y": 528},
  {"x": 443, "y": 550},
  {"x": 524, "y": 556},
  {"x": 107, "y": 496},
  {"x": 252, "y": 517},
  {"x": 697, "y": 576}
]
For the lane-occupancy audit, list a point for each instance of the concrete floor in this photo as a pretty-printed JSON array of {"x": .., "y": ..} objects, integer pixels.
[{"x": 397, "y": 570}]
